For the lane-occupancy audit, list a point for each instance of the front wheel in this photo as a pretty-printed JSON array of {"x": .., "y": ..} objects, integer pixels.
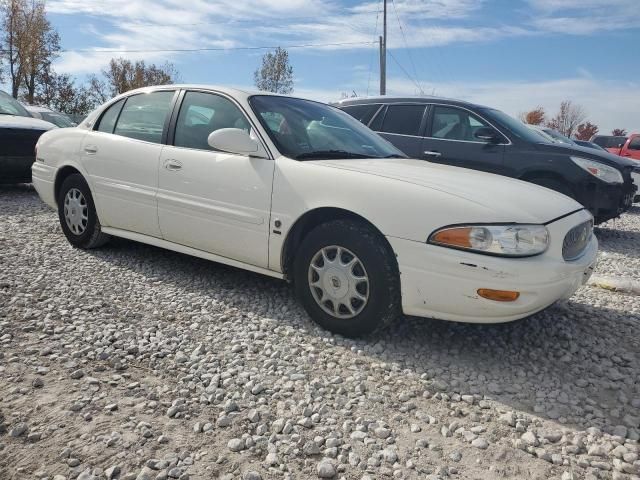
[
  {"x": 347, "y": 279},
  {"x": 77, "y": 214}
]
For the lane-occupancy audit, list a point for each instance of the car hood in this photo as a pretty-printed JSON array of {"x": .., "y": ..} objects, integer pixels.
[
  {"x": 586, "y": 152},
  {"x": 14, "y": 121},
  {"x": 505, "y": 199}
]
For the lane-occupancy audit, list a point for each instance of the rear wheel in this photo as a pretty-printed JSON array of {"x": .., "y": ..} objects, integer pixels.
[
  {"x": 346, "y": 277},
  {"x": 77, "y": 214}
]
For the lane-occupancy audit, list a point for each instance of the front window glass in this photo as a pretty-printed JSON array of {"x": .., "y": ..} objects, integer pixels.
[
  {"x": 143, "y": 116},
  {"x": 455, "y": 124},
  {"x": 303, "y": 129},
  {"x": 634, "y": 144},
  {"x": 204, "y": 113},
  {"x": 10, "y": 106}
]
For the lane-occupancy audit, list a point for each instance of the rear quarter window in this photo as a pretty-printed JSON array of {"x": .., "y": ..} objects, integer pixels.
[{"x": 363, "y": 113}]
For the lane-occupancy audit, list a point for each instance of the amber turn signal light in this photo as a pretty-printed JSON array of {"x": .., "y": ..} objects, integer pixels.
[
  {"x": 454, "y": 237},
  {"x": 498, "y": 295}
]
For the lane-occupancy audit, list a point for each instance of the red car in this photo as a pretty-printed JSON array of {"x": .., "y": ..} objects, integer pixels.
[
  {"x": 631, "y": 147},
  {"x": 610, "y": 143}
]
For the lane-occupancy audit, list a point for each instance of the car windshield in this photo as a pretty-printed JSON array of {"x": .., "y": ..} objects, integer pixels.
[
  {"x": 10, "y": 106},
  {"x": 558, "y": 137},
  {"x": 305, "y": 130},
  {"x": 58, "y": 119},
  {"x": 516, "y": 127}
]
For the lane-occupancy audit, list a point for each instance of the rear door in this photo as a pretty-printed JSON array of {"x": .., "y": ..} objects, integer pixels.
[
  {"x": 403, "y": 125},
  {"x": 121, "y": 156},
  {"x": 450, "y": 139}
]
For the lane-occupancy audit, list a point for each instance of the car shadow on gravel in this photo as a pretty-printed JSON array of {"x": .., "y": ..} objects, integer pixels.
[{"x": 574, "y": 361}]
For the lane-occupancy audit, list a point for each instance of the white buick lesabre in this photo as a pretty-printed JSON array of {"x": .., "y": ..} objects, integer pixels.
[{"x": 299, "y": 190}]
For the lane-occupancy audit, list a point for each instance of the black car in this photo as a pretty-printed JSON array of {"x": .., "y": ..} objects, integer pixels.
[
  {"x": 472, "y": 136},
  {"x": 19, "y": 132}
]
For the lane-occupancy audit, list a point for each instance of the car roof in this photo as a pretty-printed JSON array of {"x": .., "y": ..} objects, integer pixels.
[
  {"x": 231, "y": 91},
  {"x": 405, "y": 99}
]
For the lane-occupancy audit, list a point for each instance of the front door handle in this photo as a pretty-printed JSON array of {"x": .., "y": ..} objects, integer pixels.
[
  {"x": 172, "y": 165},
  {"x": 91, "y": 149},
  {"x": 432, "y": 153}
]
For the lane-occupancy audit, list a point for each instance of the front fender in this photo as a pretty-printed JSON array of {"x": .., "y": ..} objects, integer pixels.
[{"x": 395, "y": 208}]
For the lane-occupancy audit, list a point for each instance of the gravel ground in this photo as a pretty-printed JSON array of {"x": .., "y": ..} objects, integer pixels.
[{"x": 131, "y": 362}]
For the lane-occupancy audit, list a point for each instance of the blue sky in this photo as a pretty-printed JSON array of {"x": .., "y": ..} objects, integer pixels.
[{"x": 510, "y": 54}]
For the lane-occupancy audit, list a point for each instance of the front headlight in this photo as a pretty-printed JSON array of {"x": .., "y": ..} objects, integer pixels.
[
  {"x": 502, "y": 240},
  {"x": 599, "y": 170}
]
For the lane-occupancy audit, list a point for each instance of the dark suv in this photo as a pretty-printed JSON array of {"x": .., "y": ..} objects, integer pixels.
[{"x": 472, "y": 136}]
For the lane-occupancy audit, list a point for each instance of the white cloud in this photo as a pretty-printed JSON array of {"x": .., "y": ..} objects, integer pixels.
[{"x": 583, "y": 17}]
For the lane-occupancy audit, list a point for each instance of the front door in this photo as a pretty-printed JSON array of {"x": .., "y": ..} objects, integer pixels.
[
  {"x": 450, "y": 139},
  {"x": 121, "y": 156},
  {"x": 209, "y": 200}
]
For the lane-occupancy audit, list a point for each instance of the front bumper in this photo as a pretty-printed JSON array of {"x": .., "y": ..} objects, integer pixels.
[
  {"x": 607, "y": 201},
  {"x": 442, "y": 283},
  {"x": 635, "y": 176}
]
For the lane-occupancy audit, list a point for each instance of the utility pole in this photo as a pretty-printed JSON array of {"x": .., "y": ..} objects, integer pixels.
[{"x": 383, "y": 52}]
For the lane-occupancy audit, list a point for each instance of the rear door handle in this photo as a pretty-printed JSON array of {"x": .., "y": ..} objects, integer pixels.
[
  {"x": 91, "y": 149},
  {"x": 172, "y": 165},
  {"x": 431, "y": 153}
]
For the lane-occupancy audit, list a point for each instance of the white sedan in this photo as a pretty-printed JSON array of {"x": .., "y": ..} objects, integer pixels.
[{"x": 301, "y": 191}]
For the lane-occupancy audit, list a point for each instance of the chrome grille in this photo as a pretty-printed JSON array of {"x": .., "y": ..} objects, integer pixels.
[{"x": 577, "y": 240}]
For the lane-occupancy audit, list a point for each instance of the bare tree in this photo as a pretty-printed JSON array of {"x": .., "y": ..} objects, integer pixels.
[
  {"x": 275, "y": 75},
  {"x": 619, "y": 132},
  {"x": 568, "y": 118},
  {"x": 60, "y": 93},
  {"x": 12, "y": 40},
  {"x": 586, "y": 130},
  {"x": 29, "y": 43},
  {"x": 534, "y": 117},
  {"x": 122, "y": 75}
]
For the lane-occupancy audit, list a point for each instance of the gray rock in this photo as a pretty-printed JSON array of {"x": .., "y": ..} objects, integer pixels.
[{"x": 326, "y": 469}]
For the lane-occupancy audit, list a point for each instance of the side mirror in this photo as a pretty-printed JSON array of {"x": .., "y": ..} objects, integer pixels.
[
  {"x": 236, "y": 140},
  {"x": 487, "y": 134}
]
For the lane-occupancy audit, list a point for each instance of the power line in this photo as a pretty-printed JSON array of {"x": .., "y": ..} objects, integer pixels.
[
  {"x": 403, "y": 69},
  {"x": 207, "y": 49},
  {"x": 406, "y": 44}
]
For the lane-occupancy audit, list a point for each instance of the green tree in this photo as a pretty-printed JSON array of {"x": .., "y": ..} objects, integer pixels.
[{"x": 276, "y": 74}]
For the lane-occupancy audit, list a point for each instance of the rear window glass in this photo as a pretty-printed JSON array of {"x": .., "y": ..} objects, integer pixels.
[
  {"x": 363, "y": 113},
  {"x": 403, "y": 119}
]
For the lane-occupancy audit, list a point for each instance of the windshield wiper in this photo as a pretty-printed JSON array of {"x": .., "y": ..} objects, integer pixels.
[
  {"x": 318, "y": 154},
  {"x": 395, "y": 155},
  {"x": 8, "y": 113}
]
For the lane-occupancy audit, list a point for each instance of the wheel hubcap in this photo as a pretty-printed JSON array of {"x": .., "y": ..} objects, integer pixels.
[
  {"x": 338, "y": 282},
  {"x": 76, "y": 211}
]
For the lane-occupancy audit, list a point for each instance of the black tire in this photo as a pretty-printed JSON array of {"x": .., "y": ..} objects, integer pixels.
[
  {"x": 384, "y": 299},
  {"x": 91, "y": 236},
  {"x": 553, "y": 184}
]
